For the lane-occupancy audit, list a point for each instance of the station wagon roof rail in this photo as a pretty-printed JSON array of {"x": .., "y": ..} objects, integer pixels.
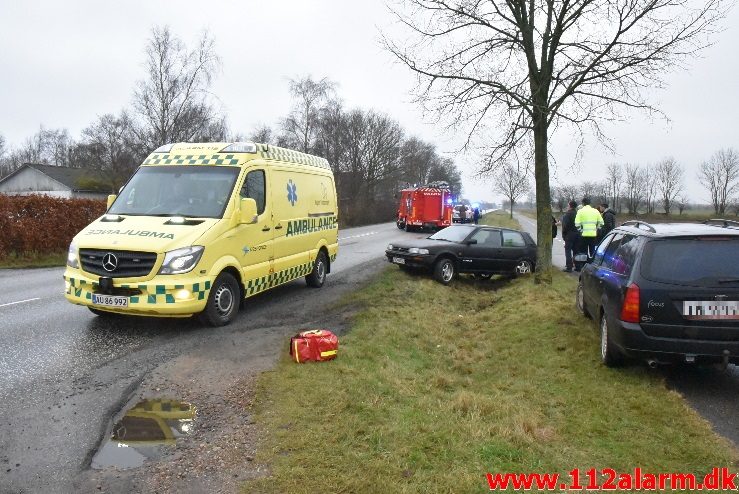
[
  {"x": 722, "y": 223},
  {"x": 642, "y": 225}
]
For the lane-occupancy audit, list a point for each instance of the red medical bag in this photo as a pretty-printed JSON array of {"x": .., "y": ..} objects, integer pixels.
[{"x": 316, "y": 345}]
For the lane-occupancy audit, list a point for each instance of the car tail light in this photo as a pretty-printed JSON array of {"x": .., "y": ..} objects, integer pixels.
[{"x": 630, "y": 309}]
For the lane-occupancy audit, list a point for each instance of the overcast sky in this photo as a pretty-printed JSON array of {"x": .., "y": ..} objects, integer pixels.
[{"x": 62, "y": 64}]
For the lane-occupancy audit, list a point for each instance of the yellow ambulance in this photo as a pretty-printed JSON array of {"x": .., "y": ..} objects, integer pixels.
[{"x": 201, "y": 227}]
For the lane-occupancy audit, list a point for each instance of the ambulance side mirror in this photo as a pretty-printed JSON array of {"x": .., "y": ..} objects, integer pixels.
[
  {"x": 111, "y": 200},
  {"x": 248, "y": 214}
]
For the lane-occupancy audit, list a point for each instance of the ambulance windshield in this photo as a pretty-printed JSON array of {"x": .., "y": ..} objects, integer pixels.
[{"x": 192, "y": 191}]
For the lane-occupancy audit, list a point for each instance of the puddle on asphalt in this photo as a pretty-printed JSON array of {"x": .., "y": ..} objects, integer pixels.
[{"x": 146, "y": 432}]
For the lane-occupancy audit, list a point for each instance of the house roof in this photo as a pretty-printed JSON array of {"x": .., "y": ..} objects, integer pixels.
[{"x": 73, "y": 178}]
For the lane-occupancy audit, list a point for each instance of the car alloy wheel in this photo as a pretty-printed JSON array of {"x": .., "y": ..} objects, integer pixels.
[
  {"x": 444, "y": 271},
  {"x": 523, "y": 267},
  {"x": 609, "y": 355}
]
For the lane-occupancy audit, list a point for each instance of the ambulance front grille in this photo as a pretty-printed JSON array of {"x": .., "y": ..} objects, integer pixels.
[{"x": 120, "y": 264}]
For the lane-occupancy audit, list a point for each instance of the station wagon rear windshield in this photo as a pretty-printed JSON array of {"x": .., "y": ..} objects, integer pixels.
[
  {"x": 697, "y": 261},
  {"x": 452, "y": 233},
  {"x": 192, "y": 191}
]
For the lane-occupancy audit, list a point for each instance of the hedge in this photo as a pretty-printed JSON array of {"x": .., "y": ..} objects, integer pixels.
[{"x": 43, "y": 224}]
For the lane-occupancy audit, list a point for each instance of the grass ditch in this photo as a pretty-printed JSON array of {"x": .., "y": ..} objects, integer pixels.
[
  {"x": 436, "y": 386},
  {"x": 33, "y": 260},
  {"x": 500, "y": 218}
]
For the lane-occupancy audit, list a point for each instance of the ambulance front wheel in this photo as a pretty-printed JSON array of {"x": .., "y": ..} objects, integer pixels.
[
  {"x": 223, "y": 301},
  {"x": 317, "y": 277}
]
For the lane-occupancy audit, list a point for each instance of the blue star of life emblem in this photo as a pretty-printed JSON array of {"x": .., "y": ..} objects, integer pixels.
[{"x": 292, "y": 192}]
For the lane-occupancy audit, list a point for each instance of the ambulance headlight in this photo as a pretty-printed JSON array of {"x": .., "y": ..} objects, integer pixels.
[
  {"x": 416, "y": 250},
  {"x": 181, "y": 260},
  {"x": 73, "y": 260}
]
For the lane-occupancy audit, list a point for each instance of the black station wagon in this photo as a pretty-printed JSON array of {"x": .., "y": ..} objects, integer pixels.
[
  {"x": 480, "y": 250},
  {"x": 665, "y": 292}
]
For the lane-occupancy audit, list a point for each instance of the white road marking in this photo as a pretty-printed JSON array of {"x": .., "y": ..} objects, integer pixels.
[
  {"x": 20, "y": 302},
  {"x": 357, "y": 236}
]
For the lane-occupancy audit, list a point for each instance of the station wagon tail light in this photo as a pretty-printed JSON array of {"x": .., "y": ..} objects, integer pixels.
[
  {"x": 630, "y": 309},
  {"x": 240, "y": 147}
]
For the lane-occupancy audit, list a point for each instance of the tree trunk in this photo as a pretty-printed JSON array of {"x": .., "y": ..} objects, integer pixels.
[
  {"x": 543, "y": 202},
  {"x": 511, "y": 209}
]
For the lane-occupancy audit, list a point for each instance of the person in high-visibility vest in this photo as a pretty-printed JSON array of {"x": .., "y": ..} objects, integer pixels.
[{"x": 588, "y": 221}]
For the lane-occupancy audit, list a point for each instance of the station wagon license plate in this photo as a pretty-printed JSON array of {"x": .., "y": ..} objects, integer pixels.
[
  {"x": 705, "y": 309},
  {"x": 109, "y": 300},
  {"x": 398, "y": 260}
]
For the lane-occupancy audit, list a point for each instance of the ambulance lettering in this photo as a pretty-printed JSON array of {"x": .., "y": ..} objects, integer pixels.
[
  {"x": 133, "y": 233},
  {"x": 310, "y": 225}
]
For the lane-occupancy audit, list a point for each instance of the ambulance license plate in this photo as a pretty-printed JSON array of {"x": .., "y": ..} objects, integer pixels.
[
  {"x": 109, "y": 300},
  {"x": 398, "y": 260}
]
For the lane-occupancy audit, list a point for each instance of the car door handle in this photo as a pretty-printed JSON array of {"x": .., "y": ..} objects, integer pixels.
[
  {"x": 266, "y": 229},
  {"x": 278, "y": 227}
]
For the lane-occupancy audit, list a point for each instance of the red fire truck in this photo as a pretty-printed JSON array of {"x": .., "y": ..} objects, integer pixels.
[{"x": 424, "y": 208}]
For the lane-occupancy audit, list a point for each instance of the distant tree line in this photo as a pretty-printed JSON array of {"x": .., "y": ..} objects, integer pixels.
[
  {"x": 635, "y": 189},
  {"x": 371, "y": 155}
]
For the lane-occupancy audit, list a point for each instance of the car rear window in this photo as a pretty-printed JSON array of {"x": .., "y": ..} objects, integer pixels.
[
  {"x": 699, "y": 261},
  {"x": 513, "y": 239}
]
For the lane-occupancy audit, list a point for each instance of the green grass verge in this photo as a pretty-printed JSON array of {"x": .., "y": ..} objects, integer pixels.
[
  {"x": 33, "y": 260},
  {"x": 500, "y": 218},
  {"x": 429, "y": 394}
]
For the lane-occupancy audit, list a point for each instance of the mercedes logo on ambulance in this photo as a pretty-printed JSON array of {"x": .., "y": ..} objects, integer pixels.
[{"x": 110, "y": 262}]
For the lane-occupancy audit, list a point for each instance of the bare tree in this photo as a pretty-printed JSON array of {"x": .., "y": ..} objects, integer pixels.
[
  {"x": 47, "y": 146},
  {"x": 720, "y": 175},
  {"x": 444, "y": 170},
  {"x": 633, "y": 187},
  {"x": 301, "y": 125},
  {"x": 649, "y": 176},
  {"x": 262, "y": 133},
  {"x": 570, "y": 192},
  {"x": 559, "y": 200},
  {"x": 513, "y": 183},
  {"x": 173, "y": 101},
  {"x": 682, "y": 203},
  {"x": 614, "y": 183},
  {"x": 587, "y": 189},
  {"x": 669, "y": 179},
  {"x": 109, "y": 146},
  {"x": 518, "y": 70}
]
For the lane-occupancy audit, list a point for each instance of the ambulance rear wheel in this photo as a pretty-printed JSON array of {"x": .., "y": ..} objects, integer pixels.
[
  {"x": 223, "y": 301},
  {"x": 317, "y": 277}
]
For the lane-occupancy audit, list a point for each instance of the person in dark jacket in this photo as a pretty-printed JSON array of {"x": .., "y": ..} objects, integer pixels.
[
  {"x": 571, "y": 235},
  {"x": 609, "y": 220}
]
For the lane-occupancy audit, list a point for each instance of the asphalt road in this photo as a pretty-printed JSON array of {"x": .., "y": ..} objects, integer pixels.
[
  {"x": 712, "y": 392},
  {"x": 65, "y": 372},
  {"x": 558, "y": 245}
]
